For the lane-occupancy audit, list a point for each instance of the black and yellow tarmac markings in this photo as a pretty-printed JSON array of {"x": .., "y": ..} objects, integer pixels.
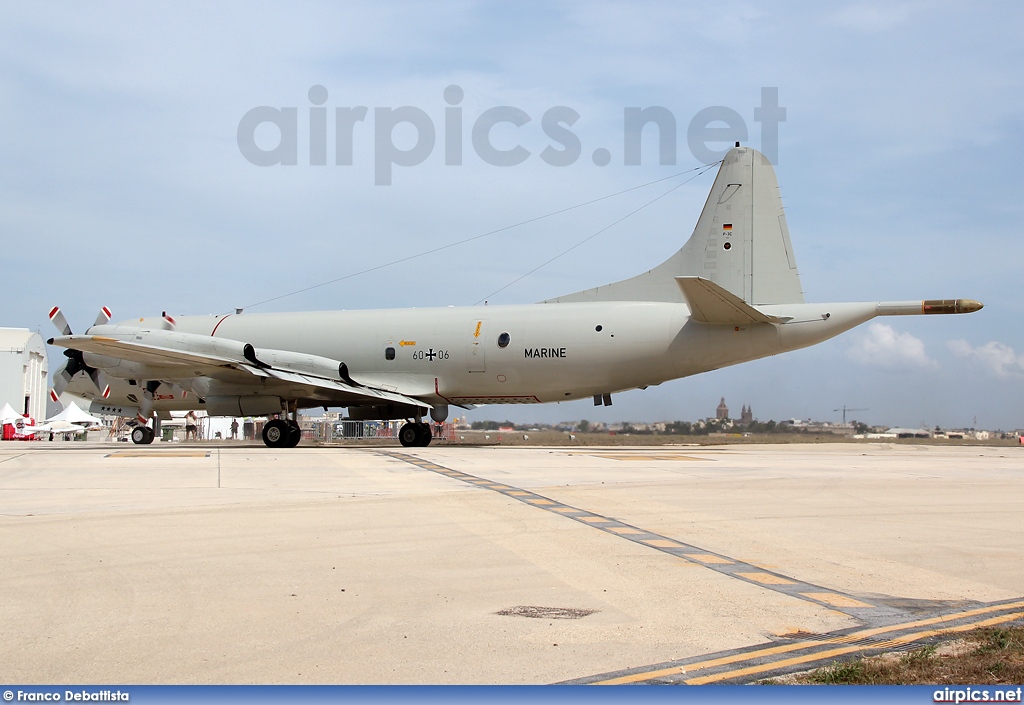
[
  {"x": 802, "y": 652},
  {"x": 737, "y": 569},
  {"x": 158, "y": 454},
  {"x": 638, "y": 456}
]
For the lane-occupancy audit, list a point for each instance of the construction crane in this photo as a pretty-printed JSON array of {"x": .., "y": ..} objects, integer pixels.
[{"x": 845, "y": 409}]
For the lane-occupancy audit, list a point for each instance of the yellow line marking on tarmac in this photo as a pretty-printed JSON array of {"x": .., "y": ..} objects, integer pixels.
[
  {"x": 769, "y": 579},
  {"x": 159, "y": 454},
  {"x": 707, "y": 558},
  {"x": 797, "y": 646},
  {"x": 626, "y": 530},
  {"x": 943, "y": 618},
  {"x": 542, "y": 501},
  {"x": 592, "y": 520},
  {"x": 564, "y": 509},
  {"x": 830, "y": 598},
  {"x": 642, "y": 456},
  {"x": 518, "y": 493},
  {"x": 820, "y": 656}
]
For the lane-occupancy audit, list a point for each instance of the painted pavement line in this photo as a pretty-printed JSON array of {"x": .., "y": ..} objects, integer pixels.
[
  {"x": 724, "y": 565},
  {"x": 821, "y": 656},
  {"x": 811, "y": 643},
  {"x": 159, "y": 454}
]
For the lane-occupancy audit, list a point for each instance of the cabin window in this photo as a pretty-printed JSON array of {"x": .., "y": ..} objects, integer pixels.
[
  {"x": 389, "y": 353},
  {"x": 503, "y": 340}
]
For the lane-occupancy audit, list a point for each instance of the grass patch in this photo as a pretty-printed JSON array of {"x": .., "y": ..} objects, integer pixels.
[{"x": 983, "y": 657}]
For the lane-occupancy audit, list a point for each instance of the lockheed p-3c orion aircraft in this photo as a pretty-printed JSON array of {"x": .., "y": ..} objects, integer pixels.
[{"x": 730, "y": 294}]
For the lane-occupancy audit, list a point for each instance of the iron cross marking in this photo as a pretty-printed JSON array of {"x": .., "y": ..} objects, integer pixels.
[{"x": 431, "y": 354}]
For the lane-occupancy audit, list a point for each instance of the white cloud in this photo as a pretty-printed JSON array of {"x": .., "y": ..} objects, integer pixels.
[
  {"x": 994, "y": 357},
  {"x": 880, "y": 345}
]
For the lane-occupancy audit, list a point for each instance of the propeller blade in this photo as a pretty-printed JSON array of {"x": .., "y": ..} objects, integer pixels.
[
  {"x": 55, "y": 396},
  {"x": 100, "y": 382},
  {"x": 169, "y": 322},
  {"x": 103, "y": 318},
  {"x": 61, "y": 380},
  {"x": 57, "y": 316},
  {"x": 75, "y": 363}
]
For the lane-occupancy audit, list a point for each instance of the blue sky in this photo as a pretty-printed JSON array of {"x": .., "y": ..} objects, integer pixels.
[{"x": 122, "y": 182}]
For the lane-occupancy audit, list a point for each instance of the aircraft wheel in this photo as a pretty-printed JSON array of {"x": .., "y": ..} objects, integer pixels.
[
  {"x": 409, "y": 435},
  {"x": 294, "y": 435},
  {"x": 277, "y": 433},
  {"x": 142, "y": 435},
  {"x": 425, "y": 435}
]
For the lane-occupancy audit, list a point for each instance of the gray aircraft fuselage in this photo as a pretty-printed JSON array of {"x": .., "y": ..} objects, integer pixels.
[{"x": 555, "y": 352}]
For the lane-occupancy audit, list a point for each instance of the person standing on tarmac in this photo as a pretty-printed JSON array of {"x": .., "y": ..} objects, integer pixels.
[{"x": 191, "y": 427}]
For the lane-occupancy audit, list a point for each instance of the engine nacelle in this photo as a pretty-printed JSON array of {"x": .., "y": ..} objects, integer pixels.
[{"x": 297, "y": 362}]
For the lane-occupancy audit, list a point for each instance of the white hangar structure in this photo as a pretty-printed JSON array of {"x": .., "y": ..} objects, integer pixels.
[{"x": 23, "y": 371}]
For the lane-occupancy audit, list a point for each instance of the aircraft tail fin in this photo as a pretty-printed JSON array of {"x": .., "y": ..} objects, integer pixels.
[{"x": 741, "y": 244}]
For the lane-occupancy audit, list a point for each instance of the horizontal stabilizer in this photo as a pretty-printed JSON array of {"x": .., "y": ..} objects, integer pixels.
[{"x": 710, "y": 303}]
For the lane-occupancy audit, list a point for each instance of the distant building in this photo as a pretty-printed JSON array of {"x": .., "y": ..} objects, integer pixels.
[
  {"x": 910, "y": 432},
  {"x": 746, "y": 416},
  {"x": 722, "y": 413},
  {"x": 23, "y": 371}
]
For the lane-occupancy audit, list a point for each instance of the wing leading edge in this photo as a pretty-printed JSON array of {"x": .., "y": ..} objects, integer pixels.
[{"x": 225, "y": 357}]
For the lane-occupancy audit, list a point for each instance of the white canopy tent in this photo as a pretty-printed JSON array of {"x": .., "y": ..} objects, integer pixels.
[
  {"x": 72, "y": 414},
  {"x": 8, "y": 414}
]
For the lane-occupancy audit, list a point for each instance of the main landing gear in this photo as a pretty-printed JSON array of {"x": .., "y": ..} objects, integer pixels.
[
  {"x": 143, "y": 435},
  {"x": 281, "y": 433},
  {"x": 413, "y": 435}
]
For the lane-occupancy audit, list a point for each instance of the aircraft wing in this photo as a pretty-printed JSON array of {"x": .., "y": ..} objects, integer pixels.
[
  {"x": 188, "y": 360},
  {"x": 141, "y": 352},
  {"x": 370, "y": 393}
]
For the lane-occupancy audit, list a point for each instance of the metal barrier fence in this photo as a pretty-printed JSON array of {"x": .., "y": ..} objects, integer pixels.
[{"x": 333, "y": 431}]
